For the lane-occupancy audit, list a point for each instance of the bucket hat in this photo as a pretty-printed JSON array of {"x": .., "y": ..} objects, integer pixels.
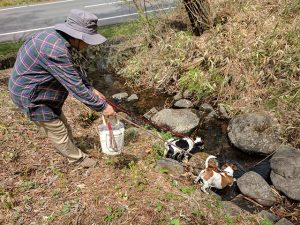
[{"x": 82, "y": 25}]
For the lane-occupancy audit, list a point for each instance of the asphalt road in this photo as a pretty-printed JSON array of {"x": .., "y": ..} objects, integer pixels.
[{"x": 19, "y": 22}]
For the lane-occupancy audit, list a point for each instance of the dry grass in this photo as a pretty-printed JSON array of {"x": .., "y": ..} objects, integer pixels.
[
  {"x": 249, "y": 60},
  {"x": 5, "y": 3},
  {"x": 37, "y": 186}
]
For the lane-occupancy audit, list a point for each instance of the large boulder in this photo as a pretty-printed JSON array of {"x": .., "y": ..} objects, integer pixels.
[
  {"x": 254, "y": 186},
  {"x": 254, "y": 133},
  {"x": 285, "y": 171},
  {"x": 179, "y": 120}
]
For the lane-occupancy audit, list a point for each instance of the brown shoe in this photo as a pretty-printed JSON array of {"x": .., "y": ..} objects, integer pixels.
[{"x": 87, "y": 162}]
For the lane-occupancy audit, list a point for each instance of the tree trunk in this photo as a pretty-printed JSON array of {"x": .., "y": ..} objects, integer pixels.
[{"x": 200, "y": 15}]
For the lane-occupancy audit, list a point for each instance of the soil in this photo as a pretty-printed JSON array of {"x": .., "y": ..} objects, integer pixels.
[{"x": 38, "y": 186}]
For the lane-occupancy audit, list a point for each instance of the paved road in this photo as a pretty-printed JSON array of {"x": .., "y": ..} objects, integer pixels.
[{"x": 19, "y": 22}]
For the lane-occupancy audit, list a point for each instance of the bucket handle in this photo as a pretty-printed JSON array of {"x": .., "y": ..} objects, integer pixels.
[
  {"x": 112, "y": 140},
  {"x": 104, "y": 121}
]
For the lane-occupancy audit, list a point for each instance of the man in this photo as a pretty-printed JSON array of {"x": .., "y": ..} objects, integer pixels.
[{"x": 44, "y": 74}]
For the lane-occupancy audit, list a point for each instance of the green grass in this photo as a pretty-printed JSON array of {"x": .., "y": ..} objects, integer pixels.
[
  {"x": 7, "y": 48},
  {"x": 4, "y": 3},
  {"x": 124, "y": 29}
]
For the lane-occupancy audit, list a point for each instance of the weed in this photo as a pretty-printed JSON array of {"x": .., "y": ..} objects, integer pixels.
[
  {"x": 66, "y": 208},
  {"x": 56, "y": 193},
  {"x": 166, "y": 135},
  {"x": 163, "y": 170},
  {"x": 27, "y": 200},
  {"x": 131, "y": 134},
  {"x": 113, "y": 213},
  {"x": 265, "y": 222},
  {"x": 159, "y": 207},
  {"x": 18, "y": 2},
  {"x": 197, "y": 213},
  {"x": 28, "y": 185},
  {"x": 197, "y": 82},
  {"x": 9, "y": 48},
  {"x": 11, "y": 156},
  {"x": 187, "y": 189},
  {"x": 61, "y": 176},
  {"x": 175, "y": 221},
  {"x": 229, "y": 220},
  {"x": 159, "y": 149},
  {"x": 126, "y": 29},
  {"x": 169, "y": 196},
  {"x": 109, "y": 161}
]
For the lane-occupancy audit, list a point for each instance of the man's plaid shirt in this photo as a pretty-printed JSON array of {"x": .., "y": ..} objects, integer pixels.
[{"x": 43, "y": 75}]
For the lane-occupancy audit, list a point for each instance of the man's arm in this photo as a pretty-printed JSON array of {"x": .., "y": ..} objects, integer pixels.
[{"x": 62, "y": 68}]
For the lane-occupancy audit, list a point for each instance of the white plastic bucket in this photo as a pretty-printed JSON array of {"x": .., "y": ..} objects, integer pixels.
[{"x": 118, "y": 133}]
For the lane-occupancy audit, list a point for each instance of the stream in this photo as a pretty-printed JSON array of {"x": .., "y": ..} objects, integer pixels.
[{"x": 214, "y": 134}]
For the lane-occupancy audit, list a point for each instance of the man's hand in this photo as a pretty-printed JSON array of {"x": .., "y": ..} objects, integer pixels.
[
  {"x": 99, "y": 94},
  {"x": 109, "y": 111}
]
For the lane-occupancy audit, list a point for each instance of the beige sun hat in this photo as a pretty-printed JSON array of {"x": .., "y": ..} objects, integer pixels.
[{"x": 82, "y": 25}]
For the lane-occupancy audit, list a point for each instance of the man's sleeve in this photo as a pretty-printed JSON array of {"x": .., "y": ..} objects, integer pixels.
[{"x": 62, "y": 68}]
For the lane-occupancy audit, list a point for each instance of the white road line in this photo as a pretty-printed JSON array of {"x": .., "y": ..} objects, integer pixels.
[
  {"x": 25, "y": 31},
  {"x": 107, "y": 3},
  {"x": 24, "y": 6},
  {"x": 107, "y": 18}
]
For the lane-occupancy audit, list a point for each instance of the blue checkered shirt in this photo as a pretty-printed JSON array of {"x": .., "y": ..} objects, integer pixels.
[{"x": 44, "y": 74}]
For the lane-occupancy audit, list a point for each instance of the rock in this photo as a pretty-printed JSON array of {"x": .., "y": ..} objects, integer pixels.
[
  {"x": 254, "y": 186},
  {"x": 284, "y": 221},
  {"x": 169, "y": 166},
  {"x": 285, "y": 171},
  {"x": 254, "y": 133},
  {"x": 207, "y": 112},
  {"x": 151, "y": 113},
  {"x": 223, "y": 111},
  {"x": 206, "y": 108},
  {"x": 179, "y": 120},
  {"x": 187, "y": 94},
  {"x": 183, "y": 103},
  {"x": 132, "y": 98},
  {"x": 268, "y": 215},
  {"x": 178, "y": 96},
  {"x": 197, "y": 162},
  {"x": 232, "y": 209},
  {"x": 120, "y": 96}
]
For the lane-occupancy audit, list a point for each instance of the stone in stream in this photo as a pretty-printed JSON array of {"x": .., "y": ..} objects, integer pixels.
[
  {"x": 187, "y": 94},
  {"x": 120, "y": 96},
  {"x": 285, "y": 171},
  {"x": 254, "y": 133},
  {"x": 150, "y": 113},
  {"x": 178, "y": 96},
  {"x": 183, "y": 103},
  {"x": 132, "y": 98},
  {"x": 179, "y": 120},
  {"x": 207, "y": 112},
  {"x": 255, "y": 187}
]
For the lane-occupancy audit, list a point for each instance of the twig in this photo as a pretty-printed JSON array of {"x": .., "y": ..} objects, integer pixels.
[{"x": 250, "y": 200}]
